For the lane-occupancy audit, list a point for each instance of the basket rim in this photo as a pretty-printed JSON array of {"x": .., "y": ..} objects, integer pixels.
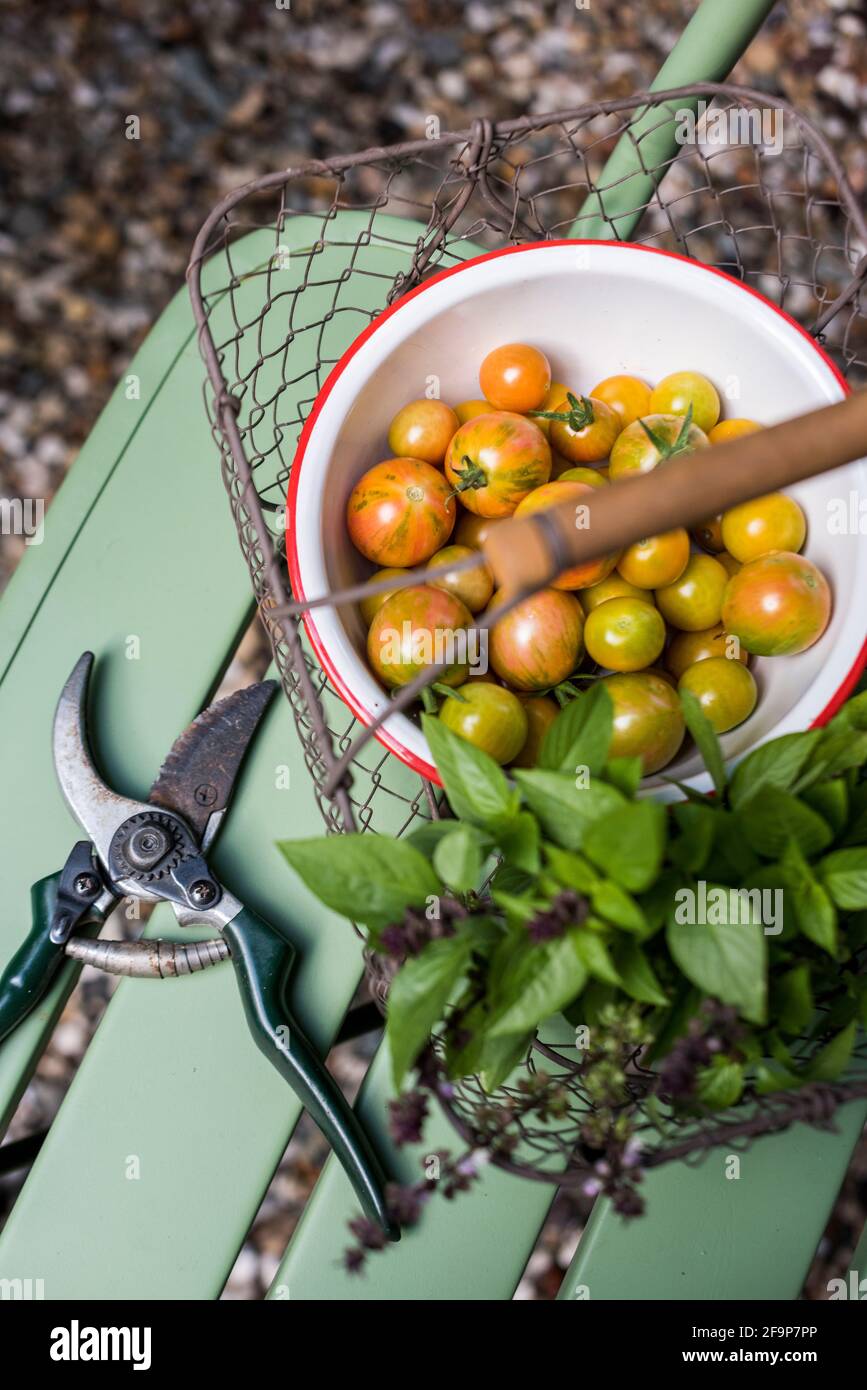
[{"x": 384, "y": 736}]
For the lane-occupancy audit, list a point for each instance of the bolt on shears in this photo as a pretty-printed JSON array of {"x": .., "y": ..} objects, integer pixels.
[{"x": 157, "y": 851}]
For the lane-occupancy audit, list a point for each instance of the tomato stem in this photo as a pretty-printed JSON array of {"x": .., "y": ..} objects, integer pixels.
[
  {"x": 471, "y": 476},
  {"x": 577, "y": 417},
  {"x": 427, "y": 699},
  {"x": 681, "y": 445},
  {"x": 448, "y": 691}
]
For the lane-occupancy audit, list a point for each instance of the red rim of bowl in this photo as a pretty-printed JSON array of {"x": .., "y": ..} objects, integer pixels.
[{"x": 384, "y": 736}]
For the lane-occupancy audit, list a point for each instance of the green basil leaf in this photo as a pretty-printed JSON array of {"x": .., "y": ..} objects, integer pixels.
[
  {"x": 777, "y": 763},
  {"x": 831, "y": 800},
  {"x": 844, "y": 874},
  {"x": 853, "y": 715},
  {"x": 572, "y": 870},
  {"x": 419, "y": 993},
  {"x": 771, "y": 818},
  {"x": 617, "y": 906},
  {"x": 595, "y": 955},
  {"x": 539, "y": 980},
  {"x": 834, "y": 1058},
  {"x": 564, "y": 810},
  {"x": 520, "y": 842},
  {"x": 629, "y": 844},
  {"x": 368, "y": 878},
  {"x": 727, "y": 961},
  {"x": 837, "y": 753},
  {"x": 792, "y": 1000},
  {"x": 705, "y": 737},
  {"x": 697, "y": 826},
  {"x": 475, "y": 785},
  {"x": 637, "y": 975},
  {"x": 807, "y": 900},
  {"x": 625, "y": 774},
  {"x": 498, "y": 1058},
  {"x": 458, "y": 859},
  {"x": 721, "y": 1084},
  {"x": 580, "y": 735},
  {"x": 427, "y": 836}
]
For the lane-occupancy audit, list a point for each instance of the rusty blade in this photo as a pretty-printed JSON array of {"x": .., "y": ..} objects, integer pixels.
[{"x": 197, "y": 777}]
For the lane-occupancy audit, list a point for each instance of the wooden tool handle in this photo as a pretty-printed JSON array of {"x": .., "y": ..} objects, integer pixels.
[{"x": 527, "y": 553}]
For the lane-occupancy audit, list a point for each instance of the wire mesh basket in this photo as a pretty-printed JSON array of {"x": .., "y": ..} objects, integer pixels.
[{"x": 288, "y": 270}]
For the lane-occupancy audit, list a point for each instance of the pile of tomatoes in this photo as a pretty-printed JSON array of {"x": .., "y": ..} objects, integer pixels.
[{"x": 675, "y": 611}]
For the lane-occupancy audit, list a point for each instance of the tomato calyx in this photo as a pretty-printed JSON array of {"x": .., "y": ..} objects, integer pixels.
[
  {"x": 681, "y": 444},
  {"x": 567, "y": 691},
  {"x": 579, "y": 415},
  {"x": 471, "y": 476}
]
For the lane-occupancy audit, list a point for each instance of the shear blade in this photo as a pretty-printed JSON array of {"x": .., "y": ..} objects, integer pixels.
[
  {"x": 98, "y": 809},
  {"x": 197, "y": 777}
]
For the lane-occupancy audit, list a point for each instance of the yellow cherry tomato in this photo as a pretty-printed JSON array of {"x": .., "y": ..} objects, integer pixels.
[
  {"x": 725, "y": 690},
  {"x": 468, "y": 409},
  {"x": 613, "y": 586},
  {"x": 680, "y": 390},
  {"x": 422, "y": 430},
  {"x": 694, "y": 601},
  {"x": 624, "y": 634},
  {"x": 591, "y": 476},
  {"x": 731, "y": 429},
  {"x": 686, "y": 648},
  {"x": 473, "y": 586},
  {"x": 773, "y": 522},
  {"x": 628, "y": 397},
  {"x": 369, "y": 607},
  {"x": 655, "y": 561}
]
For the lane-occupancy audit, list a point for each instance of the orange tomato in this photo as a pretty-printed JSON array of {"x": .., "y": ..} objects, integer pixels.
[
  {"x": 656, "y": 561},
  {"x": 400, "y": 512},
  {"x": 731, "y": 429},
  {"x": 628, "y": 397},
  {"x": 413, "y": 630},
  {"x": 694, "y": 601},
  {"x": 583, "y": 429},
  {"x": 495, "y": 460},
  {"x": 551, "y": 495},
  {"x": 778, "y": 605},
  {"x": 773, "y": 522},
  {"x": 540, "y": 642},
  {"x": 422, "y": 430},
  {"x": 474, "y": 530},
  {"x": 515, "y": 377},
  {"x": 467, "y": 410},
  {"x": 708, "y": 534}
]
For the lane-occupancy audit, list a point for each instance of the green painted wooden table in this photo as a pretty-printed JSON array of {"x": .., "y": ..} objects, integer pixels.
[{"x": 166, "y": 1142}]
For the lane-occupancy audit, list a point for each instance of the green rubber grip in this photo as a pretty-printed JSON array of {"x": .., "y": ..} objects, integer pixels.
[
  {"x": 262, "y": 960},
  {"x": 34, "y": 965}
]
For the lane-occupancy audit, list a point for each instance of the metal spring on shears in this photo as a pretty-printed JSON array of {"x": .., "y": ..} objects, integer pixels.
[{"x": 156, "y": 959}]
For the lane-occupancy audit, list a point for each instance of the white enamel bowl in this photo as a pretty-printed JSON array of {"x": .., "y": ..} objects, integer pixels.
[{"x": 595, "y": 309}]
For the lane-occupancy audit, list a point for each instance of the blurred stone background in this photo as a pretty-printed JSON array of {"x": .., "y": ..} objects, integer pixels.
[{"x": 95, "y": 231}]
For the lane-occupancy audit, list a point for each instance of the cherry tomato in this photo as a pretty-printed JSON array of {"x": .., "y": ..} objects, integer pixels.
[
  {"x": 725, "y": 690},
  {"x": 628, "y": 397},
  {"x": 613, "y": 586},
  {"x": 661, "y": 674},
  {"x": 777, "y": 605},
  {"x": 495, "y": 460},
  {"x": 624, "y": 634},
  {"x": 582, "y": 428},
  {"x": 468, "y": 410},
  {"x": 414, "y": 629},
  {"x": 473, "y": 530},
  {"x": 651, "y": 440},
  {"x": 489, "y": 717},
  {"x": 422, "y": 430},
  {"x": 556, "y": 392},
  {"x": 648, "y": 719},
  {"x": 656, "y": 561},
  {"x": 708, "y": 534},
  {"x": 686, "y": 648},
  {"x": 773, "y": 522},
  {"x": 540, "y": 642},
  {"x": 676, "y": 393},
  {"x": 515, "y": 377},
  {"x": 369, "y": 607},
  {"x": 593, "y": 477},
  {"x": 473, "y": 587},
  {"x": 551, "y": 495},
  {"x": 731, "y": 429},
  {"x": 694, "y": 601},
  {"x": 541, "y": 712},
  {"x": 400, "y": 512}
]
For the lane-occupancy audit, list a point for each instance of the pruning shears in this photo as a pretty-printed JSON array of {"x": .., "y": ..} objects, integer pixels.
[{"x": 156, "y": 850}]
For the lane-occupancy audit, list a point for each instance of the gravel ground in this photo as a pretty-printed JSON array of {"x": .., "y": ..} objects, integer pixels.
[{"x": 95, "y": 231}]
